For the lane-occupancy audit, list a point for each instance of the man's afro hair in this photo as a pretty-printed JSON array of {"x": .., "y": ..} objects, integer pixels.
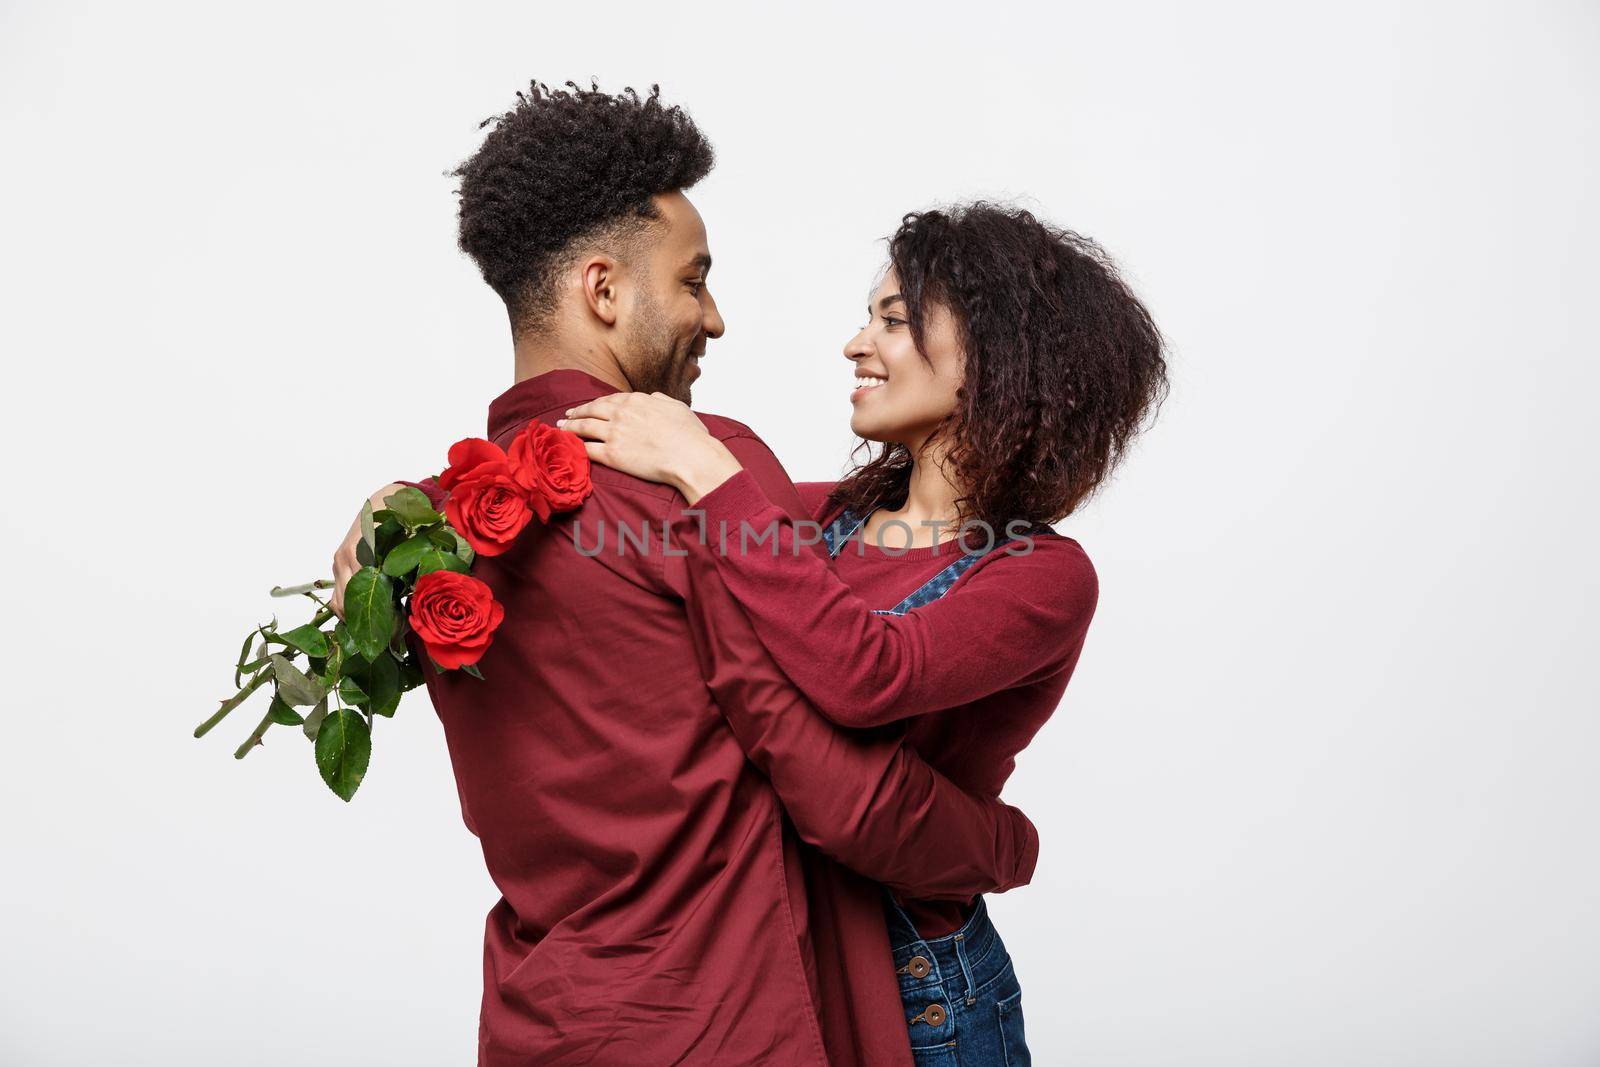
[{"x": 565, "y": 166}]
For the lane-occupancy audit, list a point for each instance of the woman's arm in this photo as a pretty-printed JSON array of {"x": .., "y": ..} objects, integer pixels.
[
  {"x": 1013, "y": 618},
  {"x": 865, "y": 797}
]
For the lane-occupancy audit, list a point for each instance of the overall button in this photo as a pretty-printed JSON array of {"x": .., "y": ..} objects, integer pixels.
[
  {"x": 933, "y": 1015},
  {"x": 918, "y": 967}
]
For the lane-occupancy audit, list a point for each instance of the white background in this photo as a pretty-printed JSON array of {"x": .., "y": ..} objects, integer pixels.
[{"x": 1324, "y": 789}]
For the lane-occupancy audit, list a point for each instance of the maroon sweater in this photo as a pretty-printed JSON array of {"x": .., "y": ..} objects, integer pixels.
[
  {"x": 976, "y": 672},
  {"x": 664, "y": 898}
]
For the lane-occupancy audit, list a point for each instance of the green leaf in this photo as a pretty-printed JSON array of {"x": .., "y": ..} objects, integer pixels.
[
  {"x": 397, "y": 643},
  {"x": 443, "y": 536},
  {"x": 410, "y": 675},
  {"x": 472, "y": 669},
  {"x": 294, "y": 687},
  {"x": 341, "y": 634},
  {"x": 435, "y": 560},
  {"x": 308, "y": 639},
  {"x": 383, "y": 686},
  {"x": 351, "y": 692},
  {"x": 344, "y": 747},
  {"x": 402, "y": 558},
  {"x": 255, "y": 664},
  {"x": 314, "y": 721},
  {"x": 464, "y": 550},
  {"x": 334, "y": 665},
  {"x": 390, "y": 533},
  {"x": 369, "y": 610},
  {"x": 364, "y": 555},
  {"x": 283, "y": 714},
  {"x": 244, "y": 654},
  {"x": 266, "y": 632},
  {"x": 410, "y": 505},
  {"x": 369, "y": 528}
]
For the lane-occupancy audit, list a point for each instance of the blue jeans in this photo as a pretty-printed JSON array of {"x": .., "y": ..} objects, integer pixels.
[{"x": 963, "y": 1003}]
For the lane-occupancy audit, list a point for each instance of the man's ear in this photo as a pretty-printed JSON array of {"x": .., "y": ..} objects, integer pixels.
[{"x": 601, "y": 277}]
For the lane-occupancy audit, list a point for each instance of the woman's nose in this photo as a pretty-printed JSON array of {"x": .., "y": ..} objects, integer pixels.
[{"x": 857, "y": 347}]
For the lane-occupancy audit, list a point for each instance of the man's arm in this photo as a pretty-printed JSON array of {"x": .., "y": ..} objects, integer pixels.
[{"x": 862, "y": 796}]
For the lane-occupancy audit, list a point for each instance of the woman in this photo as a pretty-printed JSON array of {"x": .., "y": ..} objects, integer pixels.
[{"x": 1003, "y": 369}]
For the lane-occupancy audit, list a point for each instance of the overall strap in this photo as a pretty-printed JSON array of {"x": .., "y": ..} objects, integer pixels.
[
  {"x": 940, "y": 583},
  {"x": 840, "y": 530}
]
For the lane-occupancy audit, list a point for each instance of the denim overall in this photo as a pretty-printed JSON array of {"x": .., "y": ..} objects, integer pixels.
[{"x": 962, "y": 1000}]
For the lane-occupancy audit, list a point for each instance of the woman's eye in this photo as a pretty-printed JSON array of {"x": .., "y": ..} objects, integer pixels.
[{"x": 889, "y": 320}]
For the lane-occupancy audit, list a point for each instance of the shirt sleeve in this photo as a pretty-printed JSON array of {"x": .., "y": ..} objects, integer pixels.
[
  {"x": 1016, "y": 616},
  {"x": 862, "y": 796}
]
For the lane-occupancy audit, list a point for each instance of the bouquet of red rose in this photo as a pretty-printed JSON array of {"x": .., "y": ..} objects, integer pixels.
[{"x": 415, "y": 576}]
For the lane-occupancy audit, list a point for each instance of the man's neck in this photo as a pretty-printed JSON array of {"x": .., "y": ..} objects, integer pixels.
[{"x": 540, "y": 354}]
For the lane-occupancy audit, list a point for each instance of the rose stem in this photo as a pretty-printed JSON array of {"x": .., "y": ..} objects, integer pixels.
[
  {"x": 255, "y": 683},
  {"x": 296, "y": 590},
  {"x": 234, "y": 701},
  {"x": 255, "y": 737}
]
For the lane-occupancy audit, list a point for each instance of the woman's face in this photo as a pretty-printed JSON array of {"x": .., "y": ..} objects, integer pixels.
[{"x": 899, "y": 395}]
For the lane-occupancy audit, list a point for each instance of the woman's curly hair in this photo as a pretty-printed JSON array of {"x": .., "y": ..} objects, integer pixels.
[
  {"x": 563, "y": 167},
  {"x": 1063, "y": 364}
]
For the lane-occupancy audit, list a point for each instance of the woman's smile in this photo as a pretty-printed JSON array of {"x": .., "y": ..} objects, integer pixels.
[{"x": 865, "y": 383}]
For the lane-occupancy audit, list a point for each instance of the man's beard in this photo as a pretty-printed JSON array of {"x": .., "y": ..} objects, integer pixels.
[{"x": 656, "y": 364}]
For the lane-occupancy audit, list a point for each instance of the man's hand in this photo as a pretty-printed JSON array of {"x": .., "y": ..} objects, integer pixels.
[
  {"x": 654, "y": 437},
  {"x": 344, "y": 560}
]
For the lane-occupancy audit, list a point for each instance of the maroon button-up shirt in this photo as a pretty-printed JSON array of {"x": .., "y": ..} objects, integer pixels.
[{"x": 668, "y": 821}]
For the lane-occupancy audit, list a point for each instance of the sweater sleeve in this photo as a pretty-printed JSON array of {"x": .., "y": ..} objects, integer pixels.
[
  {"x": 1014, "y": 617},
  {"x": 864, "y": 797},
  {"x": 813, "y": 495}
]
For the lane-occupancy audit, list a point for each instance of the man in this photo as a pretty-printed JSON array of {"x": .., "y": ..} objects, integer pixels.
[{"x": 665, "y": 899}]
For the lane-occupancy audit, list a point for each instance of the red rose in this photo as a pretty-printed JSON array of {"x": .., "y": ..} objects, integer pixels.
[
  {"x": 466, "y": 456},
  {"x": 553, "y": 464},
  {"x": 489, "y": 508},
  {"x": 455, "y": 615}
]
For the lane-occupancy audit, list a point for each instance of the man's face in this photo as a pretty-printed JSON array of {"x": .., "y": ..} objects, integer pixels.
[{"x": 671, "y": 313}]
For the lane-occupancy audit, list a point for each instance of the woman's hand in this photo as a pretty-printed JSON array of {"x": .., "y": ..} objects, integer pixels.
[
  {"x": 344, "y": 560},
  {"x": 654, "y": 437}
]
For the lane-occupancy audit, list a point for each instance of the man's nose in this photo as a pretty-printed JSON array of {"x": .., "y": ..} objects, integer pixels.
[{"x": 713, "y": 318}]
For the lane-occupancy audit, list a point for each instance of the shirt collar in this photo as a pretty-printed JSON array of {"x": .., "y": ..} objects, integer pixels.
[{"x": 541, "y": 394}]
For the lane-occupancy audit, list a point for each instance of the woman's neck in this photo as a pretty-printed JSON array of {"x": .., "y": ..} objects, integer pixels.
[{"x": 930, "y": 499}]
